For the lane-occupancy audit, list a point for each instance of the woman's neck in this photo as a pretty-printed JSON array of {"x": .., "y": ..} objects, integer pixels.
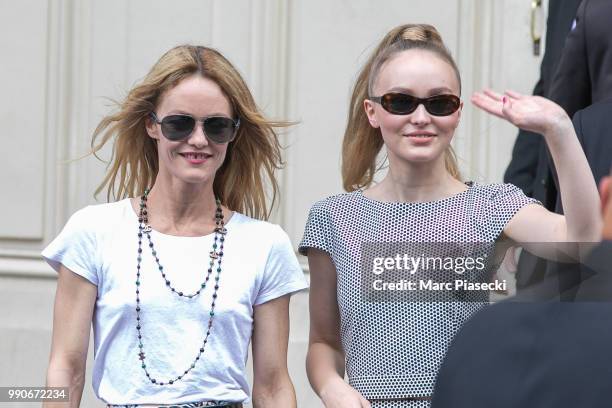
[
  {"x": 416, "y": 182},
  {"x": 182, "y": 209}
]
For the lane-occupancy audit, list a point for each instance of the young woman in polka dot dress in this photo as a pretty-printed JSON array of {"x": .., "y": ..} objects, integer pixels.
[{"x": 392, "y": 350}]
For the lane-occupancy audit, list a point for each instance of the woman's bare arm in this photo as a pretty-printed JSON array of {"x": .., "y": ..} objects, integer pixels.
[
  {"x": 325, "y": 359},
  {"x": 272, "y": 386},
  {"x": 75, "y": 299}
]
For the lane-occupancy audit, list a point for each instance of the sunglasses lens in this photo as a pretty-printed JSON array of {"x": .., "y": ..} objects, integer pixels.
[
  {"x": 177, "y": 127},
  {"x": 442, "y": 105},
  {"x": 219, "y": 129},
  {"x": 403, "y": 104},
  {"x": 399, "y": 104}
]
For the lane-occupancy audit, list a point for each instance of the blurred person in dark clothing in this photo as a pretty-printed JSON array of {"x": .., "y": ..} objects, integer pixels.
[
  {"x": 528, "y": 168},
  {"x": 584, "y": 77},
  {"x": 584, "y": 74},
  {"x": 523, "y": 167}
]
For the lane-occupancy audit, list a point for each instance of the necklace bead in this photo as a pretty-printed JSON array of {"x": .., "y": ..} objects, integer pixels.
[{"x": 145, "y": 229}]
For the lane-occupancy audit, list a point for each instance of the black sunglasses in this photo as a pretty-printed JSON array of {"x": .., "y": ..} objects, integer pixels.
[
  {"x": 217, "y": 129},
  {"x": 404, "y": 104}
]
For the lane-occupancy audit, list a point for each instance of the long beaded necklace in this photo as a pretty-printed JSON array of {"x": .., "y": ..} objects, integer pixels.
[{"x": 144, "y": 229}]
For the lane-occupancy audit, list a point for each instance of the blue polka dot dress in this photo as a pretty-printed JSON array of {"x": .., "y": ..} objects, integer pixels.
[{"x": 394, "y": 348}]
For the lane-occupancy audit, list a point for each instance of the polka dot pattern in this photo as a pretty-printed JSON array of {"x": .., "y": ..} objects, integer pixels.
[
  {"x": 401, "y": 404},
  {"x": 394, "y": 348}
]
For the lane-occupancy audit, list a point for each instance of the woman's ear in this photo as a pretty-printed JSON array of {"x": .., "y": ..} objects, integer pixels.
[
  {"x": 151, "y": 127},
  {"x": 368, "y": 105},
  {"x": 459, "y": 114}
]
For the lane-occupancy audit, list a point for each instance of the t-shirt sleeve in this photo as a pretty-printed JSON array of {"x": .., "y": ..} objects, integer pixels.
[
  {"x": 505, "y": 203},
  {"x": 318, "y": 230},
  {"x": 282, "y": 273},
  {"x": 75, "y": 247}
]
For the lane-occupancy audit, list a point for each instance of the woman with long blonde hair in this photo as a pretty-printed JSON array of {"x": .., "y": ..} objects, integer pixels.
[
  {"x": 377, "y": 309},
  {"x": 176, "y": 276}
]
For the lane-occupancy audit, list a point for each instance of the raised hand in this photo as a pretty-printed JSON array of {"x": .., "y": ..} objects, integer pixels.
[
  {"x": 582, "y": 221},
  {"x": 532, "y": 113}
]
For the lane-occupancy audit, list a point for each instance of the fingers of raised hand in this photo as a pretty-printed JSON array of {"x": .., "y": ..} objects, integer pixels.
[
  {"x": 492, "y": 94},
  {"x": 509, "y": 112},
  {"x": 526, "y": 114},
  {"x": 514, "y": 95},
  {"x": 487, "y": 103}
]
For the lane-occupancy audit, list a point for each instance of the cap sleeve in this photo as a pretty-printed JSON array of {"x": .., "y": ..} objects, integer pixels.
[
  {"x": 75, "y": 247},
  {"x": 506, "y": 200},
  {"x": 318, "y": 229},
  {"x": 282, "y": 273}
]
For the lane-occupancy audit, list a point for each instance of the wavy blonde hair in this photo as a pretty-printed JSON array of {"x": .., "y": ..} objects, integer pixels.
[
  {"x": 251, "y": 159},
  {"x": 362, "y": 142}
]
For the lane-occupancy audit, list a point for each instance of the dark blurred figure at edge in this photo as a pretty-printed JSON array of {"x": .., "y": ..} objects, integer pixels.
[
  {"x": 584, "y": 77},
  {"x": 576, "y": 72},
  {"x": 523, "y": 170}
]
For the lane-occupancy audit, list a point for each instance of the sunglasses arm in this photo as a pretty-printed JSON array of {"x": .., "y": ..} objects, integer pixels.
[{"x": 153, "y": 116}]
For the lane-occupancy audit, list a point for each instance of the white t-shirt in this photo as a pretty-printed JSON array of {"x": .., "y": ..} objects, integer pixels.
[{"x": 100, "y": 243}]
